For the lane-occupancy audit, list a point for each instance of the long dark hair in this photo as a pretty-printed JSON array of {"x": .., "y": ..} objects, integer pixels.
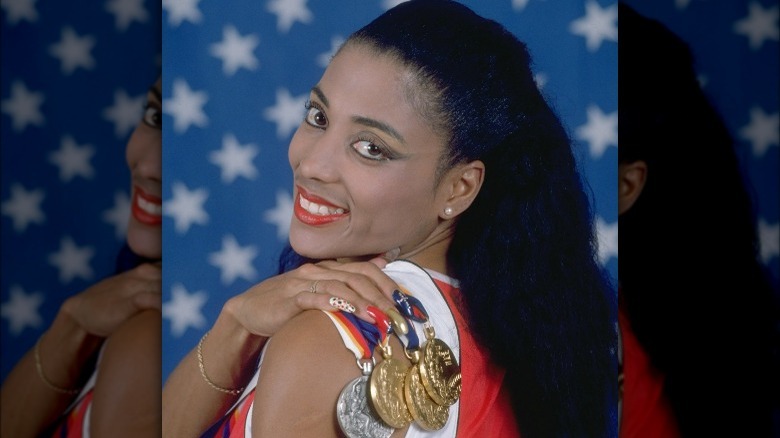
[
  {"x": 696, "y": 296},
  {"x": 524, "y": 252}
]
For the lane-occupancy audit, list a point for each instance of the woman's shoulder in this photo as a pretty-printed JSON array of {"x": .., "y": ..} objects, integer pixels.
[
  {"x": 305, "y": 366},
  {"x": 129, "y": 377}
]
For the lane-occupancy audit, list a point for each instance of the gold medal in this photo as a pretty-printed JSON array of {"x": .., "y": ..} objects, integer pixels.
[
  {"x": 440, "y": 372},
  {"x": 426, "y": 413},
  {"x": 386, "y": 390}
]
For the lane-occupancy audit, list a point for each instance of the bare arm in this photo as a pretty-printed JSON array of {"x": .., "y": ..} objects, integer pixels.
[
  {"x": 305, "y": 368},
  {"x": 68, "y": 347},
  {"x": 126, "y": 400},
  {"x": 28, "y": 404},
  {"x": 230, "y": 353}
]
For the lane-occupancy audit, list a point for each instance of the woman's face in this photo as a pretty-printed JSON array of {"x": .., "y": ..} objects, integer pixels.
[
  {"x": 364, "y": 163},
  {"x": 143, "y": 153}
]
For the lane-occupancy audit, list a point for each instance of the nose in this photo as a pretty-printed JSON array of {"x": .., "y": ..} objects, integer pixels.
[
  {"x": 315, "y": 155},
  {"x": 144, "y": 154}
]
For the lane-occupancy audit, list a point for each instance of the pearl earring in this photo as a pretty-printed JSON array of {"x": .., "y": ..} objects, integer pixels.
[{"x": 448, "y": 211}]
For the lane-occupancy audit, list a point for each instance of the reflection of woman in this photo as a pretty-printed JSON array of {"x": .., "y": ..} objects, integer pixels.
[
  {"x": 438, "y": 143},
  {"x": 694, "y": 301},
  {"x": 97, "y": 368}
]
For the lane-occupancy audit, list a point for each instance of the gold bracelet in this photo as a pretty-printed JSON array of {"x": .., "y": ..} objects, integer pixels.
[
  {"x": 39, "y": 368},
  {"x": 203, "y": 371}
]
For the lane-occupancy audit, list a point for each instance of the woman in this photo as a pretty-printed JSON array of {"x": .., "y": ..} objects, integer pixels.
[
  {"x": 694, "y": 299},
  {"x": 436, "y": 145},
  {"x": 96, "y": 370}
]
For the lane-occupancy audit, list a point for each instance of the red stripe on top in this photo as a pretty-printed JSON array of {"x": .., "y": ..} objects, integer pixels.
[
  {"x": 485, "y": 408},
  {"x": 646, "y": 411},
  {"x": 73, "y": 424}
]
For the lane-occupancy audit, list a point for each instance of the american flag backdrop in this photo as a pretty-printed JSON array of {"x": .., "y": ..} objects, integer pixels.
[
  {"x": 235, "y": 79},
  {"x": 74, "y": 82}
]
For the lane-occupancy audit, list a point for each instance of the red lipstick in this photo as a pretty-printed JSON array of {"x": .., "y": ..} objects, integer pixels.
[{"x": 146, "y": 208}]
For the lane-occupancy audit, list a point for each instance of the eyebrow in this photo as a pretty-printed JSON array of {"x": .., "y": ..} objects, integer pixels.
[
  {"x": 365, "y": 121},
  {"x": 156, "y": 93}
]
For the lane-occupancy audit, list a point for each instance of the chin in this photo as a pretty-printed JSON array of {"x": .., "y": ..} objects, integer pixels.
[{"x": 144, "y": 240}]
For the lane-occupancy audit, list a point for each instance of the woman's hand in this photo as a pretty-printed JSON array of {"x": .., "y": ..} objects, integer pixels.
[
  {"x": 267, "y": 306},
  {"x": 103, "y": 307}
]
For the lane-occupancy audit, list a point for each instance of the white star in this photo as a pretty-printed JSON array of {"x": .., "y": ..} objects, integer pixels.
[
  {"x": 125, "y": 11},
  {"x": 186, "y": 106},
  {"x": 323, "y": 59},
  {"x": 541, "y": 80},
  {"x": 289, "y": 11},
  {"x": 186, "y": 207},
  {"x": 763, "y": 130},
  {"x": 180, "y": 10},
  {"x": 72, "y": 159},
  {"x": 73, "y": 51},
  {"x": 72, "y": 261},
  {"x": 23, "y": 106},
  {"x": 600, "y": 131},
  {"x": 184, "y": 309},
  {"x": 681, "y": 4},
  {"x": 597, "y": 25},
  {"x": 519, "y": 5},
  {"x": 287, "y": 113},
  {"x": 235, "y": 51},
  {"x": 234, "y": 159},
  {"x": 769, "y": 238},
  {"x": 21, "y": 310},
  {"x": 24, "y": 207},
  {"x": 281, "y": 214},
  {"x": 16, "y": 10},
  {"x": 119, "y": 214},
  {"x": 759, "y": 25},
  {"x": 389, "y": 4},
  {"x": 234, "y": 261},
  {"x": 607, "y": 236},
  {"x": 125, "y": 112}
]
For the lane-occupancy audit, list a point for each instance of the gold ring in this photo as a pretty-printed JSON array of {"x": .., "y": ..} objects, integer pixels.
[{"x": 313, "y": 288}]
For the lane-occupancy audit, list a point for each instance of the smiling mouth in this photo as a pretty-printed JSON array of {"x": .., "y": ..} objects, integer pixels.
[
  {"x": 146, "y": 208},
  {"x": 314, "y": 211},
  {"x": 318, "y": 209}
]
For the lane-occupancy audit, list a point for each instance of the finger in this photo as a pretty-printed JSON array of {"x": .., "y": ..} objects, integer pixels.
[
  {"x": 327, "y": 289},
  {"x": 366, "y": 270},
  {"x": 329, "y": 302},
  {"x": 148, "y": 271},
  {"x": 148, "y": 300}
]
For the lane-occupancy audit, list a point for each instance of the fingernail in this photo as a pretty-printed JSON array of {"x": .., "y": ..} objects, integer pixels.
[
  {"x": 392, "y": 254},
  {"x": 382, "y": 321},
  {"x": 342, "y": 304},
  {"x": 398, "y": 321}
]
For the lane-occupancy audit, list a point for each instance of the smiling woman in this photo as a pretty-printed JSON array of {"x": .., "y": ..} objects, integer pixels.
[
  {"x": 441, "y": 277},
  {"x": 74, "y": 382}
]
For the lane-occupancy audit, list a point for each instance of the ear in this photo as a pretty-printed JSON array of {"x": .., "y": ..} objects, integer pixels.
[
  {"x": 631, "y": 182},
  {"x": 460, "y": 187}
]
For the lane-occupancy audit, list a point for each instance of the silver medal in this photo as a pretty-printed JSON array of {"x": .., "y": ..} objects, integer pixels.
[{"x": 354, "y": 414}]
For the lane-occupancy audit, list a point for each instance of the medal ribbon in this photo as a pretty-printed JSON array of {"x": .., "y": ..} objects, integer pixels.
[{"x": 359, "y": 336}]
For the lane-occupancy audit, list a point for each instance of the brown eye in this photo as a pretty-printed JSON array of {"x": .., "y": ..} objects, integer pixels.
[
  {"x": 369, "y": 150},
  {"x": 315, "y": 117},
  {"x": 152, "y": 116}
]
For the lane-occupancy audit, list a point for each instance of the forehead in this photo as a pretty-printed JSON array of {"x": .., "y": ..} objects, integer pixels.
[{"x": 360, "y": 82}]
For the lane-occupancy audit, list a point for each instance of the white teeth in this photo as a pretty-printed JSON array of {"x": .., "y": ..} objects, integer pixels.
[
  {"x": 320, "y": 210},
  {"x": 149, "y": 207}
]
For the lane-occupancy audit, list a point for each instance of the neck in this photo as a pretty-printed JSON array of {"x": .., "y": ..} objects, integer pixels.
[{"x": 431, "y": 253}]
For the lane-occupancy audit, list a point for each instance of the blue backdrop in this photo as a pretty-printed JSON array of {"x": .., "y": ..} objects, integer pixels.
[
  {"x": 235, "y": 80},
  {"x": 74, "y": 81}
]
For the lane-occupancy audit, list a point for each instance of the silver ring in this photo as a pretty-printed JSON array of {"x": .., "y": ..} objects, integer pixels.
[{"x": 313, "y": 288}]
